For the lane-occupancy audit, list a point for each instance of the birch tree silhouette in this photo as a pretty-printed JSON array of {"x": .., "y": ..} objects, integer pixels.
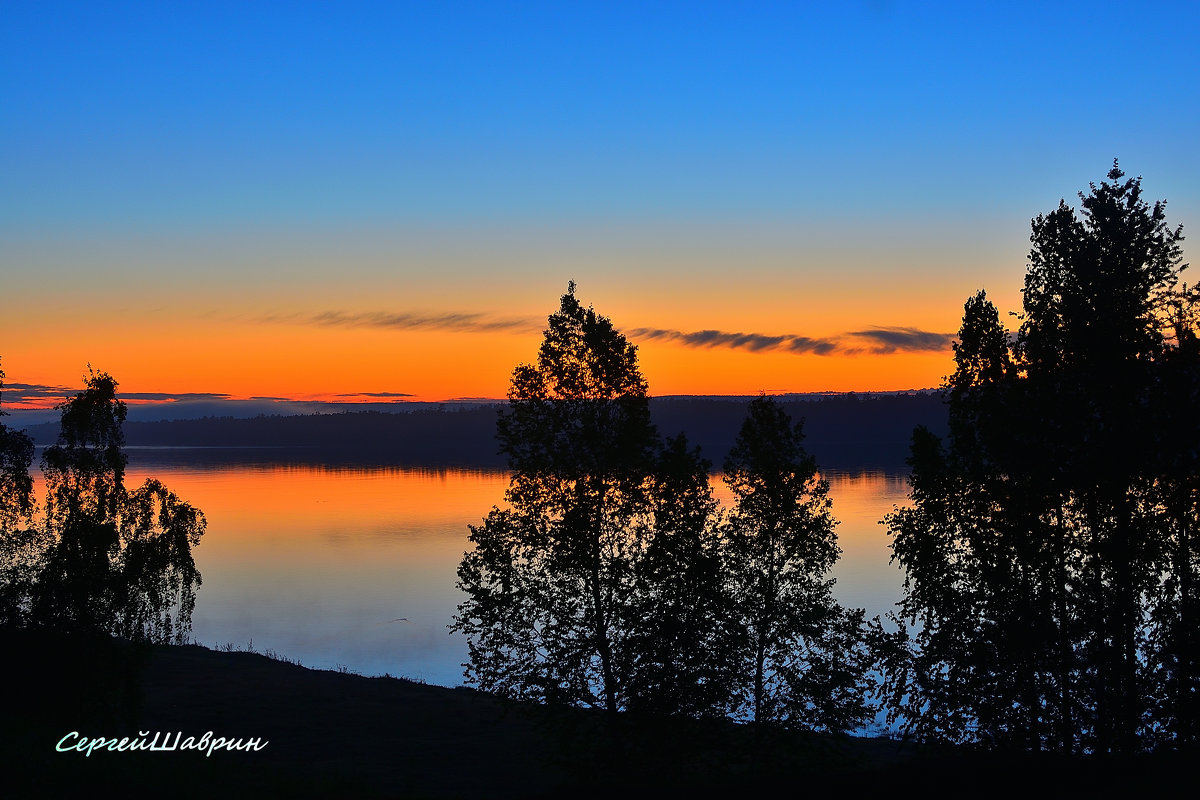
[
  {"x": 100, "y": 558},
  {"x": 613, "y": 579},
  {"x": 806, "y": 659},
  {"x": 551, "y": 581}
]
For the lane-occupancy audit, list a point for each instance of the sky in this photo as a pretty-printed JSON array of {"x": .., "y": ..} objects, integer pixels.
[{"x": 383, "y": 201}]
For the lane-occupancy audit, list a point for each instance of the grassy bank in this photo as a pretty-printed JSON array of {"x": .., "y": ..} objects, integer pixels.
[{"x": 331, "y": 734}]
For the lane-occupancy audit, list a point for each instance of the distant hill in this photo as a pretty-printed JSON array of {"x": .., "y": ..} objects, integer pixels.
[{"x": 849, "y": 432}]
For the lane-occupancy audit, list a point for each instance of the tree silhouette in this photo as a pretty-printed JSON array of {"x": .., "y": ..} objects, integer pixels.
[
  {"x": 20, "y": 542},
  {"x": 973, "y": 547},
  {"x": 550, "y": 584},
  {"x": 613, "y": 579},
  {"x": 1050, "y": 549},
  {"x": 1175, "y": 617},
  {"x": 85, "y": 492},
  {"x": 158, "y": 575},
  {"x": 1091, "y": 345},
  {"x": 686, "y": 640},
  {"x": 101, "y": 558},
  {"x": 806, "y": 659}
]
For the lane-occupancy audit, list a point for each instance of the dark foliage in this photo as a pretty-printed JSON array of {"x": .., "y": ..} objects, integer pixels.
[
  {"x": 100, "y": 559},
  {"x": 805, "y": 658},
  {"x": 612, "y": 581},
  {"x": 551, "y": 581},
  {"x": 1050, "y": 550},
  {"x": 686, "y": 636}
]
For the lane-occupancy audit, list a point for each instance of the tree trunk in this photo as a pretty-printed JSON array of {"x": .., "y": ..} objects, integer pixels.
[
  {"x": 1066, "y": 730},
  {"x": 601, "y": 629}
]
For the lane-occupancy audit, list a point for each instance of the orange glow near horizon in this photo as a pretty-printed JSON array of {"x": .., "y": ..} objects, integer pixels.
[
  {"x": 277, "y": 344},
  {"x": 435, "y": 315},
  {"x": 320, "y": 364},
  {"x": 669, "y": 370}
]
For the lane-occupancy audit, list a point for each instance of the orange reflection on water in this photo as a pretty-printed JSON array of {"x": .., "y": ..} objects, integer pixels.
[
  {"x": 358, "y": 566},
  {"x": 300, "y": 500}
]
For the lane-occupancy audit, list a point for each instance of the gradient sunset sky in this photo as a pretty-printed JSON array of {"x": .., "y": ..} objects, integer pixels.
[{"x": 356, "y": 200}]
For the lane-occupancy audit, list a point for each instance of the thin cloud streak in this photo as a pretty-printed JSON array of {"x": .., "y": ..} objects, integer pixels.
[
  {"x": 29, "y": 392},
  {"x": 23, "y": 392},
  {"x": 375, "y": 394},
  {"x": 754, "y": 342},
  {"x": 908, "y": 340},
  {"x": 172, "y": 397},
  {"x": 883, "y": 341},
  {"x": 410, "y": 320},
  {"x": 21, "y": 396},
  {"x": 875, "y": 341}
]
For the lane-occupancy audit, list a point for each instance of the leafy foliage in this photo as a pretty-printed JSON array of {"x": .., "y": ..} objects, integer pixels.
[
  {"x": 805, "y": 657},
  {"x": 101, "y": 558},
  {"x": 551, "y": 581},
  {"x": 686, "y": 636},
  {"x": 612, "y": 581},
  {"x": 21, "y": 543},
  {"x": 1050, "y": 549}
]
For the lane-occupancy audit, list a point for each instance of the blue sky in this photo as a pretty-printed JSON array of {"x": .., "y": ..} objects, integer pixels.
[
  {"x": 690, "y": 165},
  {"x": 142, "y": 116}
]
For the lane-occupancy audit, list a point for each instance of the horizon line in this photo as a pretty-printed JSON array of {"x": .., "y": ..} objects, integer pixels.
[{"x": 21, "y": 406}]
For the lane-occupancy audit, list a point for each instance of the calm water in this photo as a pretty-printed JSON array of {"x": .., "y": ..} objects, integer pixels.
[{"x": 316, "y": 563}]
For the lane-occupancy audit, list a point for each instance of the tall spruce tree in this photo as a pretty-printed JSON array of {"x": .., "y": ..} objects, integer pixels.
[{"x": 1050, "y": 546}]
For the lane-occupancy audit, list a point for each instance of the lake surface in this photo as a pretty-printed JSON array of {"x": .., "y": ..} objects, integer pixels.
[{"x": 316, "y": 563}]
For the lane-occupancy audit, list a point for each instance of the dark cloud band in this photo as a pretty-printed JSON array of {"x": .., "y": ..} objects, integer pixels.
[
  {"x": 375, "y": 394},
  {"x": 881, "y": 341},
  {"x": 18, "y": 395},
  {"x": 909, "y": 340},
  {"x": 441, "y": 322}
]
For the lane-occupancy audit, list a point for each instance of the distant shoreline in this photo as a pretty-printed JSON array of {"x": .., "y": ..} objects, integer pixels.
[{"x": 850, "y": 433}]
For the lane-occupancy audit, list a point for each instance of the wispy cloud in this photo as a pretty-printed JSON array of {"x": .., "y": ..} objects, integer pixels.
[
  {"x": 908, "y": 340},
  {"x": 450, "y": 321},
  {"x": 880, "y": 341},
  {"x": 36, "y": 395},
  {"x": 172, "y": 397},
  {"x": 24, "y": 396},
  {"x": 755, "y": 342},
  {"x": 24, "y": 392},
  {"x": 374, "y": 394}
]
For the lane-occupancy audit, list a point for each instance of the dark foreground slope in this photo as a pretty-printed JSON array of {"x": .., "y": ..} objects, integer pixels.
[{"x": 338, "y": 735}]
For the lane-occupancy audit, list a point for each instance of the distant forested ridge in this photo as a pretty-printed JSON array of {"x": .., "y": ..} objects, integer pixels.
[{"x": 844, "y": 432}]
